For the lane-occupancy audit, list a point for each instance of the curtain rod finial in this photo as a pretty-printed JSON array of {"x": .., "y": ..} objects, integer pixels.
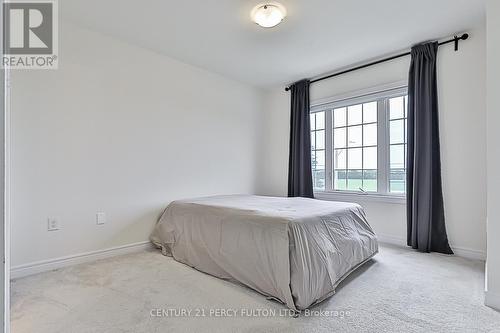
[{"x": 456, "y": 39}]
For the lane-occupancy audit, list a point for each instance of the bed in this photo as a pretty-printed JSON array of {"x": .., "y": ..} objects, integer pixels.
[{"x": 294, "y": 250}]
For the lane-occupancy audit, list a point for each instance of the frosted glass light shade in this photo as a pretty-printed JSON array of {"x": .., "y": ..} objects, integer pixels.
[{"x": 268, "y": 15}]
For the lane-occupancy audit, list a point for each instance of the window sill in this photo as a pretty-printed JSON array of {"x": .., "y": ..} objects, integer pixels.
[{"x": 364, "y": 197}]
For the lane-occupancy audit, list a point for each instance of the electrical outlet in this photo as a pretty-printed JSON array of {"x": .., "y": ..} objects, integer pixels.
[
  {"x": 101, "y": 218},
  {"x": 53, "y": 224}
]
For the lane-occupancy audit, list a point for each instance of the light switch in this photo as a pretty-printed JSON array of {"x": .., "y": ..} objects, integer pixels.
[{"x": 101, "y": 218}]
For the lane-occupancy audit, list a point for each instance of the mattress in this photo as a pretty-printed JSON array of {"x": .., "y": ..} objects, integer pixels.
[{"x": 295, "y": 250}]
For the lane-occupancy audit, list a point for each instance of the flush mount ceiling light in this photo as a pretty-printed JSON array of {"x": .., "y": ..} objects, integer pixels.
[{"x": 268, "y": 15}]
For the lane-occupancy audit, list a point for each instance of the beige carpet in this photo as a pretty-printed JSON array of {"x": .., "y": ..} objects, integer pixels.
[{"x": 399, "y": 291}]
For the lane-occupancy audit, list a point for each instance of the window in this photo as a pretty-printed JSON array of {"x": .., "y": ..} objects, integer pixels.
[
  {"x": 359, "y": 144},
  {"x": 397, "y": 153},
  {"x": 355, "y": 147},
  {"x": 318, "y": 149}
]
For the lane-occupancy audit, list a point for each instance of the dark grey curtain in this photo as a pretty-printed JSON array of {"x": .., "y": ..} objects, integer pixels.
[
  {"x": 425, "y": 211},
  {"x": 299, "y": 168}
]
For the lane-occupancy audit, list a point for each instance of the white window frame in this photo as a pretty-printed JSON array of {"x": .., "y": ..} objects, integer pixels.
[{"x": 381, "y": 94}]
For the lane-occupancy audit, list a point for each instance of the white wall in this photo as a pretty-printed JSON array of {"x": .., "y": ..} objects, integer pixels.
[
  {"x": 493, "y": 119},
  {"x": 463, "y": 126},
  {"x": 121, "y": 130}
]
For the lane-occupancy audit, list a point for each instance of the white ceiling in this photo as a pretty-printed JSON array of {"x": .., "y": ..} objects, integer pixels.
[{"x": 316, "y": 37}]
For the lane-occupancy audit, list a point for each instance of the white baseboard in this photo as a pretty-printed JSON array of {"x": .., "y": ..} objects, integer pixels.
[
  {"x": 51, "y": 264},
  {"x": 492, "y": 300},
  {"x": 469, "y": 253},
  {"x": 385, "y": 239},
  {"x": 459, "y": 251}
]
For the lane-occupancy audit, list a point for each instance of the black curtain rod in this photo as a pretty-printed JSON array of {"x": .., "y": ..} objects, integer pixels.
[{"x": 454, "y": 40}]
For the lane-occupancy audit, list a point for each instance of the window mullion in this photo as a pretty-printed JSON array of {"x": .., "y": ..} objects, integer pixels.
[
  {"x": 362, "y": 146},
  {"x": 383, "y": 147},
  {"x": 329, "y": 150}
]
